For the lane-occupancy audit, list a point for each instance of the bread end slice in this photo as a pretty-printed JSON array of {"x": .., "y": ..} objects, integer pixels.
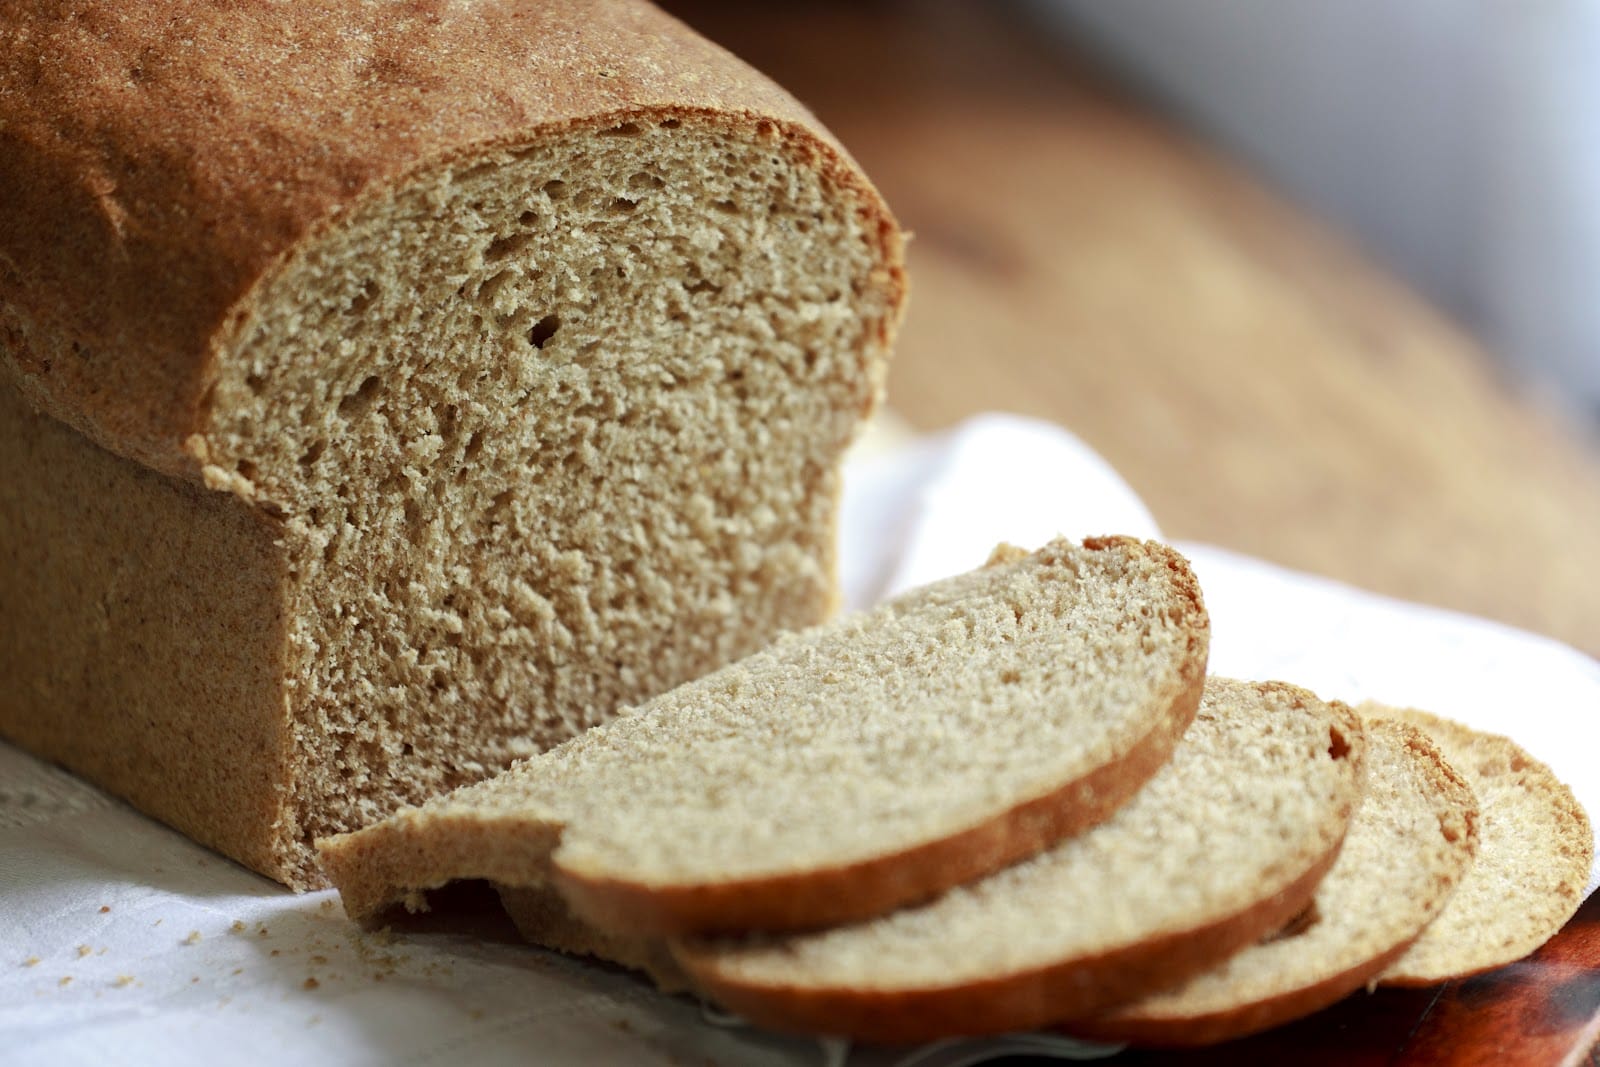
[{"x": 1535, "y": 848}]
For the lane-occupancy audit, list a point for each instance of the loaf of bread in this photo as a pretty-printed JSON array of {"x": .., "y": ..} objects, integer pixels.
[
  {"x": 850, "y": 769},
  {"x": 390, "y": 391}
]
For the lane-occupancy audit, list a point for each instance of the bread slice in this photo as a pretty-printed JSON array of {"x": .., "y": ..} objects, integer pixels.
[
  {"x": 1535, "y": 847},
  {"x": 1225, "y": 844},
  {"x": 542, "y": 918},
  {"x": 1408, "y": 847},
  {"x": 391, "y": 391},
  {"x": 848, "y": 769}
]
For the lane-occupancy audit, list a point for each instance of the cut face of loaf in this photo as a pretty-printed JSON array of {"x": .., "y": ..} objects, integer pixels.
[
  {"x": 534, "y": 409},
  {"x": 1408, "y": 846},
  {"x": 1225, "y": 844},
  {"x": 548, "y": 432},
  {"x": 857, "y": 766}
]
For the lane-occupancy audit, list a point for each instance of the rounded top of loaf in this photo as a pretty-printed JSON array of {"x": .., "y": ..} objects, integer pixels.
[{"x": 160, "y": 159}]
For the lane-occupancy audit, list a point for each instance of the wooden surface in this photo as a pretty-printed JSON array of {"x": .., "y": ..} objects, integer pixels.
[{"x": 1259, "y": 383}]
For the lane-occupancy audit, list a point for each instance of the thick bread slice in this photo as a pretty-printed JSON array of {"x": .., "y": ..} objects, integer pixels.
[
  {"x": 1527, "y": 877},
  {"x": 849, "y": 769},
  {"x": 1407, "y": 848},
  {"x": 1224, "y": 845}
]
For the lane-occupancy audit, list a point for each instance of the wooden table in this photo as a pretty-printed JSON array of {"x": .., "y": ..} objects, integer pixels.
[{"x": 1259, "y": 383}]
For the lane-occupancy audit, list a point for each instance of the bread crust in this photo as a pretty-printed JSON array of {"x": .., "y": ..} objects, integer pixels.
[
  {"x": 1066, "y": 989},
  {"x": 1025, "y": 1000},
  {"x": 162, "y": 160},
  {"x": 1458, "y": 813},
  {"x": 142, "y": 644}
]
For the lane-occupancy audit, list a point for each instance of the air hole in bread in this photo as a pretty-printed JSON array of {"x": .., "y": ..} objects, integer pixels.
[
  {"x": 444, "y": 420},
  {"x": 670, "y": 124},
  {"x": 626, "y": 129},
  {"x": 255, "y": 382},
  {"x": 313, "y": 452},
  {"x": 1338, "y": 746},
  {"x": 543, "y": 330},
  {"x": 555, "y": 189},
  {"x": 507, "y": 246},
  {"x": 363, "y": 299},
  {"x": 623, "y": 205},
  {"x": 493, "y": 284},
  {"x": 359, "y": 402}
]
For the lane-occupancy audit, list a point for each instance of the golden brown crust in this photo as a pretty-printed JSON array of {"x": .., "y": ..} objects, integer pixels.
[
  {"x": 1248, "y": 1019},
  {"x": 1020, "y": 1001},
  {"x": 161, "y": 159},
  {"x": 142, "y": 641}
]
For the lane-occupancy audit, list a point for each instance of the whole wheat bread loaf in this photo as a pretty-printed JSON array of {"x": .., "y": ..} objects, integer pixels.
[
  {"x": 1527, "y": 876},
  {"x": 390, "y": 391},
  {"x": 1224, "y": 844},
  {"x": 1409, "y": 845},
  {"x": 861, "y": 765}
]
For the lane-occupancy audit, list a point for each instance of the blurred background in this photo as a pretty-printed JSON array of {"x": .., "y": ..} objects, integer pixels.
[
  {"x": 1315, "y": 276},
  {"x": 1459, "y": 142}
]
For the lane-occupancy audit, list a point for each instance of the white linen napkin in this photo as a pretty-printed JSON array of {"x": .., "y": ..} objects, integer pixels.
[{"x": 123, "y": 942}]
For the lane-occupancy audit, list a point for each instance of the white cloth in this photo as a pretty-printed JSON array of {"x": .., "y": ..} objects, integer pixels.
[{"x": 122, "y": 942}]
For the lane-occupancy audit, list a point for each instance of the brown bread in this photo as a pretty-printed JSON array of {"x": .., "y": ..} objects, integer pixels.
[{"x": 390, "y": 391}]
